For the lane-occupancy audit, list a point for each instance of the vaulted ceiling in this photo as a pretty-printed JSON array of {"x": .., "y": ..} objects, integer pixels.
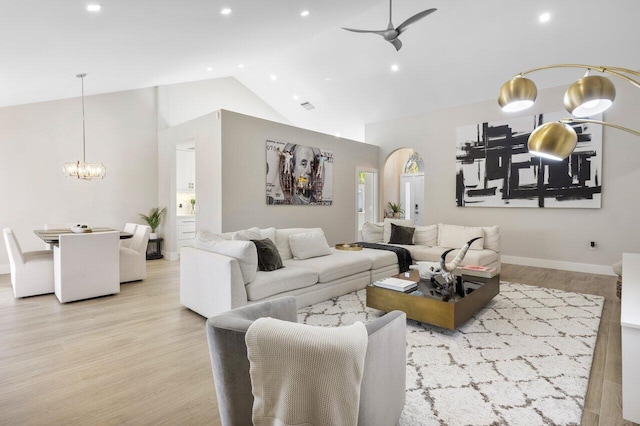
[{"x": 460, "y": 54}]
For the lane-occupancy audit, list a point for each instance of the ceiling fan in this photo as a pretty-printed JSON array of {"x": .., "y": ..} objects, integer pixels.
[{"x": 391, "y": 34}]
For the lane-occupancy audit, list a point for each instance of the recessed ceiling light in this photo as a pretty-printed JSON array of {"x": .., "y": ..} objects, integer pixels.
[
  {"x": 274, "y": 77},
  {"x": 210, "y": 69},
  {"x": 328, "y": 79},
  {"x": 94, "y": 7},
  {"x": 225, "y": 11},
  {"x": 240, "y": 65},
  {"x": 295, "y": 97},
  {"x": 304, "y": 13},
  {"x": 545, "y": 17},
  {"x": 394, "y": 67}
]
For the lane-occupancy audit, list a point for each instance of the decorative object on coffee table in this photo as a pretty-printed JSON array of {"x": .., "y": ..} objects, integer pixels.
[{"x": 444, "y": 280}]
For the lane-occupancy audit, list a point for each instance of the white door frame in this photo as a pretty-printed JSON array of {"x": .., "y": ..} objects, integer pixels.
[{"x": 376, "y": 194}]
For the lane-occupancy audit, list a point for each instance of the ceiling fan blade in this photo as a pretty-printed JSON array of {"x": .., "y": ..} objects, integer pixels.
[
  {"x": 415, "y": 18},
  {"x": 396, "y": 43},
  {"x": 381, "y": 32}
]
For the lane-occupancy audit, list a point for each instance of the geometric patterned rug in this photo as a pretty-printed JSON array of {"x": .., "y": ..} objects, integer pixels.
[{"x": 522, "y": 360}]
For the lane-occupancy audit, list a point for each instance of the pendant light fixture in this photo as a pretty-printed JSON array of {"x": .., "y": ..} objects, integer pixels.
[{"x": 82, "y": 169}]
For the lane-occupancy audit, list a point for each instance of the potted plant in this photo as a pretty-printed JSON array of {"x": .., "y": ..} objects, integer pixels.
[
  {"x": 396, "y": 209},
  {"x": 153, "y": 220},
  {"x": 192, "y": 201}
]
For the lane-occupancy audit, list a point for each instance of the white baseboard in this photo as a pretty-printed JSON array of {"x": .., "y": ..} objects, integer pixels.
[{"x": 556, "y": 264}]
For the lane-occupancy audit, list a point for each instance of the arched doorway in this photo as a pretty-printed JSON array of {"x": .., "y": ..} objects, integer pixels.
[{"x": 404, "y": 183}]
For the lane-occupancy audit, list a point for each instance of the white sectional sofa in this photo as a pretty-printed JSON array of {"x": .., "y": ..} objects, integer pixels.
[{"x": 220, "y": 273}]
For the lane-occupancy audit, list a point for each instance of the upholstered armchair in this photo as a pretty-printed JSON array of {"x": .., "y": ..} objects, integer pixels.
[
  {"x": 133, "y": 266},
  {"x": 382, "y": 391},
  {"x": 131, "y": 229},
  {"x": 31, "y": 271}
]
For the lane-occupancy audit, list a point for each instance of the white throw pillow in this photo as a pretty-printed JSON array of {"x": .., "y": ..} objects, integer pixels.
[
  {"x": 248, "y": 234},
  {"x": 426, "y": 235},
  {"x": 492, "y": 238},
  {"x": 282, "y": 240},
  {"x": 372, "y": 232},
  {"x": 244, "y": 252},
  {"x": 386, "y": 233},
  {"x": 308, "y": 245},
  {"x": 210, "y": 236},
  {"x": 454, "y": 236},
  {"x": 269, "y": 233}
]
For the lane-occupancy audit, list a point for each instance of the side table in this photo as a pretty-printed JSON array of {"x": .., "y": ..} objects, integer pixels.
[{"x": 154, "y": 249}]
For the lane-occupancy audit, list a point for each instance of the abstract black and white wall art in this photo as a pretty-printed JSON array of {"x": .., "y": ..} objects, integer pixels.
[
  {"x": 495, "y": 169},
  {"x": 299, "y": 174}
]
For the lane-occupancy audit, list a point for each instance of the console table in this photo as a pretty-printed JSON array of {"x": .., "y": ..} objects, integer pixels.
[{"x": 630, "y": 322}]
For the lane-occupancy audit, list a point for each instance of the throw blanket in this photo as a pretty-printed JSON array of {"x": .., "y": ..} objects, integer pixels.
[
  {"x": 404, "y": 255},
  {"x": 305, "y": 375}
]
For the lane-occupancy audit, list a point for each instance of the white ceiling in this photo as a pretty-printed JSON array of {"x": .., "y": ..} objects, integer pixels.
[{"x": 460, "y": 54}]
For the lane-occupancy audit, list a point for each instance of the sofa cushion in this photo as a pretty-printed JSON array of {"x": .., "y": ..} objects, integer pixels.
[
  {"x": 372, "y": 232},
  {"x": 491, "y": 238},
  {"x": 386, "y": 231},
  {"x": 401, "y": 234},
  {"x": 379, "y": 258},
  {"x": 208, "y": 236},
  {"x": 282, "y": 240},
  {"x": 473, "y": 257},
  {"x": 426, "y": 235},
  {"x": 308, "y": 245},
  {"x": 290, "y": 278},
  {"x": 268, "y": 256},
  {"x": 247, "y": 234},
  {"x": 454, "y": 236},
  {"x": 337, "y": 265},
  {"x": 243, "y": 251},
  {"x": 269, "y": 233}
]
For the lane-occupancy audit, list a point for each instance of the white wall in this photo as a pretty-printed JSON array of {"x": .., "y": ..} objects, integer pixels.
[
  {"x": 555, "y": 238},
  {"x": 36, "y": 139},
  {"x": 179, "y": 103}
]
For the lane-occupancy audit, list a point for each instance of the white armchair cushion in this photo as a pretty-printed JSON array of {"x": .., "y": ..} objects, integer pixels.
[
  {"x": 426, "y": 235},
  {"x": 243, "y": 251},
  {"x": 387, "y": 227},
  {"x": 308, "y": 245},
  {"x": 454, "y": 236},
  {"x": 372, "y": 232},
  {"x": 491, "y": 238}
]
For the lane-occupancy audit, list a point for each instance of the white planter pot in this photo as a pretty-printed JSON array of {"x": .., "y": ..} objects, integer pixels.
[{"x": 153, "y": 236}]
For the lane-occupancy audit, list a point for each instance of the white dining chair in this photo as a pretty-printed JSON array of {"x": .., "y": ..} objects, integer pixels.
[
  {"x": 31, "y": 271},
  {"x": 131, "y": 229},
  {"x": 86, "y": 265},
  {"x": 133, "y": 259}
]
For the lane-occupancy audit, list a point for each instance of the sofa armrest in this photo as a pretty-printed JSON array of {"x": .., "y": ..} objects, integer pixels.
[
  {"x": 382, "y": 393},
  {"x": 210, "y": 283}
]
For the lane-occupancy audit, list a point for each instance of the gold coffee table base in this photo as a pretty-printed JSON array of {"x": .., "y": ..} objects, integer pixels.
[{"x": 430, "y": 310}]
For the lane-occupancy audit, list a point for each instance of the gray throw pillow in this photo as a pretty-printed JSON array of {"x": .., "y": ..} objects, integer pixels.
[
  {"x": 399, "y": 235},
  {"x": 268, "y": 256}
]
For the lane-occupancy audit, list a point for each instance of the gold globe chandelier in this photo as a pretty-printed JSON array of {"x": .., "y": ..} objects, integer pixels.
[
  {"x": 590, "y": 95},
  {"x": 82, "y": 169}
]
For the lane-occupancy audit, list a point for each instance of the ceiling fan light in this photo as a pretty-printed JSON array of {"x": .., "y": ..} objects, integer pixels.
[
  {"x": 589, "y": 96},
  {"x": 554, "y": 140},
  {"x": 517, "y": 94}
]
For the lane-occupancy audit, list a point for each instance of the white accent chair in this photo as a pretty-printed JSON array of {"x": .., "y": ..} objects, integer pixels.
[
  {"x": 86, "y": 265},
  {"x": 131, "y": 229},
  {"x": 31, "y": 271},
  {"x": 133, "y": 259}
]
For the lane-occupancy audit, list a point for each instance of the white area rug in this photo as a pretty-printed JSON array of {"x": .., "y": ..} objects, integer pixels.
[{"x": 523, "y": 360}]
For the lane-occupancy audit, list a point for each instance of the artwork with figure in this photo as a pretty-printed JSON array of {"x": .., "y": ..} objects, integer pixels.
[
  {"x": 495, "y": 169},
  {"x": 299, "y": 174}
]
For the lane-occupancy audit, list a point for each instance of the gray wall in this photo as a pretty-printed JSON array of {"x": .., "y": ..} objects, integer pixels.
[
  {"x": 555, "y": 238},
  {"x": 244, "y": 174}
]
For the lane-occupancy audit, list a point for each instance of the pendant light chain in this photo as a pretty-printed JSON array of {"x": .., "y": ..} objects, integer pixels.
[{"x": 84, "y": 159}]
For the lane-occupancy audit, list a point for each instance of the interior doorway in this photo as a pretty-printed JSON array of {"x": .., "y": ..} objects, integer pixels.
[
  {"x": 366, "y": 196},
  {"x": 404, "y": 184}
]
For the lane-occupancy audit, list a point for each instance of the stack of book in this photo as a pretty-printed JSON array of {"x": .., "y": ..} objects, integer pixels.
[
  {"x": 397, "y": 284},
  {"x": 477, "y": 271}
]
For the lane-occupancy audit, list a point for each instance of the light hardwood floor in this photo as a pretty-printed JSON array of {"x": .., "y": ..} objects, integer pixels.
[{"x": 139, "y": 357}]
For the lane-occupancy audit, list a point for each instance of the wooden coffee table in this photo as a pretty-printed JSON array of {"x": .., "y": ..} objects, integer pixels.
[{"x": 422, "y": 306}]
